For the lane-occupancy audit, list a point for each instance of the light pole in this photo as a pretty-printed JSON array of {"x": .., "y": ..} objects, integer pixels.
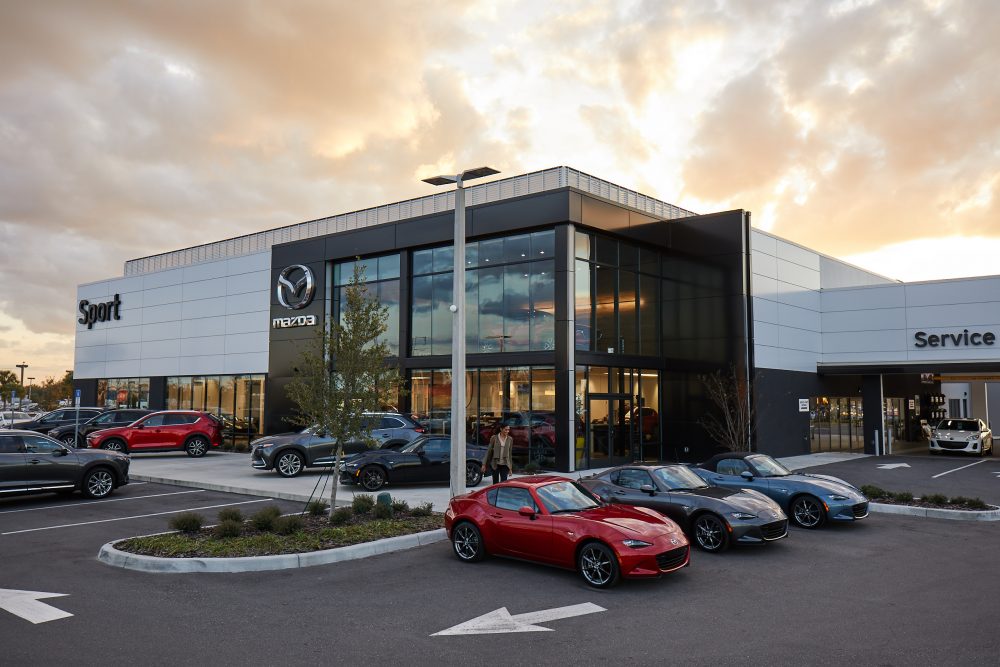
[
  {"x": 22, "y": 366},
  {"x": 29, "y": 388},
  {"x": 458, "y": 325}
]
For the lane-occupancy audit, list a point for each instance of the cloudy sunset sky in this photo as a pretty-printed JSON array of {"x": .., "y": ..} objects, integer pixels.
[{"x": 869, "y": 131}]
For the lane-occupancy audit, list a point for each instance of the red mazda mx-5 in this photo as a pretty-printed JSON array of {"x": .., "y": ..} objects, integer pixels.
[{"x": 551, "y": 520}]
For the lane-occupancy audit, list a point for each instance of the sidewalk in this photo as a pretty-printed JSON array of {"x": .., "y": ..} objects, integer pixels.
[{"x": 220, "y": 471}]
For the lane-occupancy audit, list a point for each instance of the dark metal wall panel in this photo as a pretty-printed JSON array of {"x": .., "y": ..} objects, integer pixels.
[
  {"x": 88, "y": 391},
  {"x": 511, "y": 215},
  {"x": 157, "y": 393}
]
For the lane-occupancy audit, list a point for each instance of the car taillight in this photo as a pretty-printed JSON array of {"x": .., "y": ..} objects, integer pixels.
[{"x": 420, "y": 429}]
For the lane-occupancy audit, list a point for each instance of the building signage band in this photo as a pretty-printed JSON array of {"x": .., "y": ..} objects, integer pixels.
[
  {"x": 100, "y": 312},
  {"x": 295, "y": 294},
  {"x": 296, "y": 321},
  {"x": 963, "y": 339}
]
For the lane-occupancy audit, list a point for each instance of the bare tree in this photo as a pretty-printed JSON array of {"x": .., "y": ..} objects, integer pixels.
[
  {"x": 731, "y": 423},
  {"x": 344, "y": 372}
]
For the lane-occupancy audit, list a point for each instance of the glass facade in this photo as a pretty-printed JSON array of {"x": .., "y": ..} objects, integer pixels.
[
  {"x": 836, "y": 424},
  {"x": 123, "y": 393},
  {"x": 509, "y": 296},
  {"x": 618, "y": 416},
  {"x": 381, "y": 275},
  {"x": 238, "y": 400}
]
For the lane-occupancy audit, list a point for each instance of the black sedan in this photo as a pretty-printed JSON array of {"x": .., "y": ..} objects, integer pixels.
[
  {"x": 34, "y": 463},
  {"x": 61, "y": 417},
  {"x": 426, "y": 459},
  {"x": 711, "y": 516},
  {"x": 72, "y": 435}
]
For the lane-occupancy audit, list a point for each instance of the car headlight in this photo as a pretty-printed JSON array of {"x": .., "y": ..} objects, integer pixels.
[
  {"x": 743, "y": 516},
  {"x": 973, "y": 438},
  {"x": 837, "y": 496},
  {"x": 636, "y": 544}
]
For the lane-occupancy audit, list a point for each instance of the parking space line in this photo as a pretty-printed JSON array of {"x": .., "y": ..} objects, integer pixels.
[
  {"x": 138, "y": 516},
  {"x": 957, "y": 469},
  {"x": 96, "y": 502}
]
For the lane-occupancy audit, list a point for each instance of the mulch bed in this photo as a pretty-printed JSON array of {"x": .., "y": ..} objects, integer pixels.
[{"x": 917, "y": 502}]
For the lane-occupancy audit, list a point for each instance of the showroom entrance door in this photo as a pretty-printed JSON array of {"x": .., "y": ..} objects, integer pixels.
[{"x": 611, "y": 430}]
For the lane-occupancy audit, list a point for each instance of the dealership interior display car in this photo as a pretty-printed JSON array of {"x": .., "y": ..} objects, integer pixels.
[
  {"x": 72, "y": 435},
  {"x": 808, "y": 499},
  {"x": 34, "y": 463},
  {"x": 170, "y": 430},
  {"x": 970, "y": 436},
  {"x": 61, "y": 417},
  {"x": 426, "y": 459},
  {"x": 552, "y": 520},
  {"x": 713, "y": 517}
]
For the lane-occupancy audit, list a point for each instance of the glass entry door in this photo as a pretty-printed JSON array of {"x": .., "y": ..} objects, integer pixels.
[{"x": 612, "y": 436}]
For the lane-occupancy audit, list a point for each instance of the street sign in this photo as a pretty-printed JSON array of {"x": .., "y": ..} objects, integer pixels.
[
  {"x": 803, "y": 405},
  {"x": 76, "y": 398},
  {"x": 501, "y": 620},
  {"x": 26, "y": 605}
]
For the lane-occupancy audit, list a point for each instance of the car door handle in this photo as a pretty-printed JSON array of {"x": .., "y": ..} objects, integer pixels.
[
  {"x": 35, "y": 461},
  {"x": 619, "y": 493},
  {"x": 496, "y": 515}
]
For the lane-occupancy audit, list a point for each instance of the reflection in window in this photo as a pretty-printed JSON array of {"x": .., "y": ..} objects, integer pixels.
[
  {"x": 123, "y": 393},
  {"x": 381, "y": 283}
]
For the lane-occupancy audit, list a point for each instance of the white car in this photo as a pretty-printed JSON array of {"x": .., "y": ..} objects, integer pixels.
[
  {"x": 962, "y": 435},
  {"x": 5, "y": 417}
]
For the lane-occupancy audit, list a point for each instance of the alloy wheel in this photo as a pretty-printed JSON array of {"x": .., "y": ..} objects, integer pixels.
[
  {"x": 596, "y": 566},
  {"x": 473, "y": 475},
  {"x": 99, "y": 484},
  {"x": 466, "y": 542},
  {"x": 289, "y": 464},
  {"x": 807, "y": 512},
  {"x": 68, "y": 440},
  {"x": 709, "y": 533},
  {"x": 114, "y": 446},
  {"x": 372, "y": 479},
  {"x": 197, "y": 447}
]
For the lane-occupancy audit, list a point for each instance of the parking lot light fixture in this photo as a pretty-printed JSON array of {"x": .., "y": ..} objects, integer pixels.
[{"x": 458, "y": 324}]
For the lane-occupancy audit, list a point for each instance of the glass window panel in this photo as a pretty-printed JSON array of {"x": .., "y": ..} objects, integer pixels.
[
  {"x": 650, "y": 419},
  {"x": 580, "y": 418},
  {"x": 227, "y": 408},
  {"x": 444, "y": 258},
  {"x": 491, "y": 306},
  {"x": 649, "y": 261},
  {"x": 605, "y": 336},
  {"x": 388, "y": 296},
  {"x": 490, "y": 252},
  {"x": 543, "y": 305},
  {"x": 605, "y": 251},
  {"x": 543, "y": 244},
  {"x": 597, "y": 411},
  {"x": 491, "y": 401},
  {"x": 440, "y": 417},
  {"x": 471, "y": 311},
  {"x": 519, "y": 389},
  {"x": 471, "y": 405},
  {"x": 212, "y": 394},
  {"x": 628, "y": 256},
  {"x": 388, "y": 267},
  {"x": 627, "y": 312},
  {"x": 423, "y": 262},
  {"x": 471, "y": 254},
  {"x": 543, "y": 390},
  {"x": 257, "y": 405},
  {"x": 516, "y": 308},
  {"x": 421, "y": 318},
  {"x": 649, "y": 315},
  {"x": 184, "y": 399},
  {"x": 441, "y": 316},
  {"x": 584, "y": 314},
  {"x": 420, "y": 395},
  {"x": 517, "y": 248},
  {"x": 173, "y": 393},
  {"x": 582, "y": 243},
  {"x": 102, "y": 391},
  {"x": 143, "y": 393},
  {"x": 197, "y": 393}
]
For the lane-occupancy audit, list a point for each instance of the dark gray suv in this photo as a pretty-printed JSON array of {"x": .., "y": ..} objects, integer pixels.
[
  {"x": 35, "y": 463},
  {"x": 289, "y": 453}
]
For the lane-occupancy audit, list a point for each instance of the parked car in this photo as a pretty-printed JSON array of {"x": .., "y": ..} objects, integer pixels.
[
  {"x": 552, "y": 520},
  {"x": 288, "y": 454},
  {"x": 426, "y": 459},
  {"x": 188, "y": 430},
  {"x": 34, "y": 463},
  {"x": 534, "y": 435},
  {"x": 8, "y": 417},
  {"x": 808, "y": 499},
  {"x": 712, "y": 517},
  {"x": 962, "y": 435},
  {"x": 50, "y": 420},
  {"x": 73, "y": 436}
]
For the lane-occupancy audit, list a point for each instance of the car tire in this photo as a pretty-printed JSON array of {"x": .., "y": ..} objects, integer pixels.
[
  {"x": 467, "y": 542},
  {"x": 115, "y": 445},
  {"x": 598, "y": 565},
  {"x": 473, "y": 474},
  {"x": 372, "y": 478},
  {"x": 98, "y": 483},
  {"x": 807, "y": 512},
  {"x": 710, "y": 533},
  {"x": 289, "y": 463},
  {"x": 69, "y": 440},
  {"x": 196, "y": 447}
]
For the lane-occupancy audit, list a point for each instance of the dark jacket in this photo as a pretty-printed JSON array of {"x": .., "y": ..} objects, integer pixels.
[{"x": 498, "y": 452}]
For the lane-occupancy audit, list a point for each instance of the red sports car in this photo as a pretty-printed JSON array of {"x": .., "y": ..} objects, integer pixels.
[{"x": 552, "y": 520}]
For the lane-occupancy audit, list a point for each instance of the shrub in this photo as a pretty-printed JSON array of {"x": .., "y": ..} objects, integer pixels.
[
  {"x": 363, "y": 503},
  {"x": 341, "y": 515},
  {"x": 874, "y": 492},
  {"x": 532, "y": 467},
  {"x": 289, "y": 525},
  {"x": 230, "y": 514},
  {"x": 229, "y": 528},
  {"x": 970, "y": 503},
  {"x": 383, "y": 511},
  {"x": 935, "y": 499},
  {"x": 317, "y": 507},
  {"x": 423, "y": 509},
  {"x": 188, "y": 522},
  {"x": 902, "y": 497},
  {"x": 265, "y": 517},
  {"x": 400, "y": 506}
]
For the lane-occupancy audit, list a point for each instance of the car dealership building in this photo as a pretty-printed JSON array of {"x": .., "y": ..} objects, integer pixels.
[{"x": 592, "y": 312}]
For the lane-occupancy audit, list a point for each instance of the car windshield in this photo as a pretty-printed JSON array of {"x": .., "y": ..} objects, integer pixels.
[
  {"x": 768, "y": 467},
  {"x": 564, "y": 497},
  {"x": 679, "y": 478},
  {"x": 958, "y": 425},
  {"x": 413, "y": 446}
]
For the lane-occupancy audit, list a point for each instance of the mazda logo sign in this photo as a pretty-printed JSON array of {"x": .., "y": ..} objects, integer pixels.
[{"x": 295, "y": 294}]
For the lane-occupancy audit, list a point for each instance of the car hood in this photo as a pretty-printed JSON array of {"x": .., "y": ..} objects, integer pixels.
[
  {"x": 102, "y": 454},
  {"x": 734, "y": 499},
  {"x": 115, "y": 430},
  {"x": 826, "y": 483},
  {"x": 284, "y": 439},
  {"x": 630, "y": 521},
  {"x": 955, "y": 435}
]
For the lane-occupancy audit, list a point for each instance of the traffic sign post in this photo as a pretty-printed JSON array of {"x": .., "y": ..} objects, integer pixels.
[{"x": 76, "y": 425}]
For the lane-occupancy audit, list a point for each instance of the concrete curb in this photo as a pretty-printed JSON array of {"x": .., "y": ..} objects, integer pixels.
[
  {"x": 935, "y": 513},
  {"x": 112, "y": 556},
  {"x": 229, "y": 488}
]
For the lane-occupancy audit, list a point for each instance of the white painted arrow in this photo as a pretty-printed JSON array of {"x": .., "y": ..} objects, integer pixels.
[
  {"x": 890, "y": 466},
  {"x": 26, "y": 605},
  {"x": 501, "y": 621}
]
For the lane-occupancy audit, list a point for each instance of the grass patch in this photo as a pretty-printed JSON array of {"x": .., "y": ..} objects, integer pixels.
[
  {"x": 317, "y": 507},
  {"x": 874, "y": 492}
]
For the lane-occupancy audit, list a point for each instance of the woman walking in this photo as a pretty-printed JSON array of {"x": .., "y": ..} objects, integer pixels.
[{"x": 498, "y": 454}]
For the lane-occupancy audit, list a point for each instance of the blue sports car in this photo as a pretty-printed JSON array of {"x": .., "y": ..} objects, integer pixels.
[{"x": 808, "y": 499}]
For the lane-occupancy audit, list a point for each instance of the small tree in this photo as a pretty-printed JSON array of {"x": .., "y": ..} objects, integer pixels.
[
  {"x": 731, "y": 424},
  {"x": 344, "y": 373}
]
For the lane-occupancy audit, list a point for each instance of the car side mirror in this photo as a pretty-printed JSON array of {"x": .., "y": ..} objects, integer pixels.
[
  {"x": 648, "y": 488},
  {"x": 747, "y": 475},
  {"x": 60, "y": 452},
  {"x": 140, "y": 426},
  {"x": 527, "y": 511}
]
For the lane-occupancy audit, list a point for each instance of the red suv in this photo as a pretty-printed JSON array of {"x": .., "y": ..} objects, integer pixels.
[{"x": 194, "y": 432}]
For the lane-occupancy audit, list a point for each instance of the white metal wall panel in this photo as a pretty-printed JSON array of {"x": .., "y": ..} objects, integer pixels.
[
  {"x": 864, "y": 320},
  {"x": 865, "y": 298}
]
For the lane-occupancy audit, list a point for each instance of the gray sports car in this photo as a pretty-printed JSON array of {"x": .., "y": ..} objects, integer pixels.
[{"x": 712, "y": 517}]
